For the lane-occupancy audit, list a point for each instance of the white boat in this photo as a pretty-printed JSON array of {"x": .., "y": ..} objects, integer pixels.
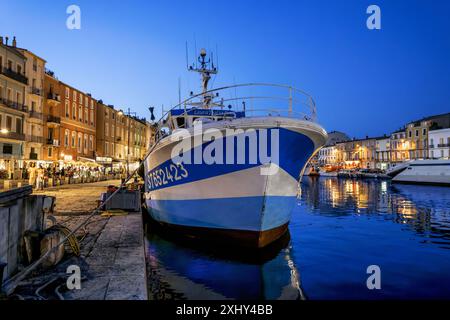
[
  {"x": 328, "y": 173},
  {"x": 436, "y": 172},
  {"x": 209, "y": 174},
  {"x": 397, "y": 168}
]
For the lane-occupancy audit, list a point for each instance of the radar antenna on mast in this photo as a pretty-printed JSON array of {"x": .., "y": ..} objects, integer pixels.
[{"x": 206, "y": 69}]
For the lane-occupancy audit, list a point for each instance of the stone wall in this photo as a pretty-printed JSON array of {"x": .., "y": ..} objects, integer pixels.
[{"x": 20, "y": 211}]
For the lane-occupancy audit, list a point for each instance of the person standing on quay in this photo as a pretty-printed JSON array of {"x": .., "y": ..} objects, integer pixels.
[
  {"x": 32, "y": 175},
  {"x": 40, "y": 178}
]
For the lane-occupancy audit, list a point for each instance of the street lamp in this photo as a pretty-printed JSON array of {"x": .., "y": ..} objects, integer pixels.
[
  {"x": 4, "y": 131},
  {"x": 129, "y": 114}
]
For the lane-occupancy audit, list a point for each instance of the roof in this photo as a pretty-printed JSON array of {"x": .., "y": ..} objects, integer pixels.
[{"x": 14, "y": 50}]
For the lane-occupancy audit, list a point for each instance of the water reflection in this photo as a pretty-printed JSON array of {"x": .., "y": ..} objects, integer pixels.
[
  {"x": 184, "y": 268},
  {"x": 339, "y": 227},
  {"x": 426, "y": 209}
]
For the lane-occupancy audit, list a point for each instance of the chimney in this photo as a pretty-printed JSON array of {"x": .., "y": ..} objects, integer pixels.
[
  {"x": 1, "y": 40},
  {"x": 14, "y": 42},
  {"x": 6, "y": 40}
]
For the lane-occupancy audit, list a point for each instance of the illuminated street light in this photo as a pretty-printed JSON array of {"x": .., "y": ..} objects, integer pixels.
[{"x": 4, "y": 131}]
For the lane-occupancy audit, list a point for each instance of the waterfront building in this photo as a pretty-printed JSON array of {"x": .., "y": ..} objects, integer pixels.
[
  {"x": 417, "y": 134},
  {"x": 357, "y": 153},
  {"x": 13, "y": 110},
  {"x": 120, "y": 137},
  {"x": 399, "y": 146},
  {"x": 327, "y": 156},
  {"x": 34, "y": 100},
  {"x": 439, "y": 143},
  {"x": 382, "y": 153},
  {"x": 70, "y": 122}
]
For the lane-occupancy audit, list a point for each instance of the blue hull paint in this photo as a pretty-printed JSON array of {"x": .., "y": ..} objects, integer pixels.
[
  {"x": 294, "y": 151},
  {"x": 247, "y": 213}
]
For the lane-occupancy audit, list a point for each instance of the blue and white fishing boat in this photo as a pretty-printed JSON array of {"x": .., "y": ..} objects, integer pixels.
[{"x": 228, "y": 167}]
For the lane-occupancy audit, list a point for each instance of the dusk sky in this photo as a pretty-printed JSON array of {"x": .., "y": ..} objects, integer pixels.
[{"x": 131, "y": 53}]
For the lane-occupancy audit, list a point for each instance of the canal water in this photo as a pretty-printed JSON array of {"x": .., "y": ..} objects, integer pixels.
[{"x": 338, "y": 228}]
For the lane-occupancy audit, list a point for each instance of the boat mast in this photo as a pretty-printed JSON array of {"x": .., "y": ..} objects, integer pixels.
[{"x": 206, "y": 69}]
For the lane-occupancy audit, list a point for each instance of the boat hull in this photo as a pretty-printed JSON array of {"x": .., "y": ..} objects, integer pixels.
[
  {"x": 431, "y": 172},
  {"x": 234, "y": 202}
]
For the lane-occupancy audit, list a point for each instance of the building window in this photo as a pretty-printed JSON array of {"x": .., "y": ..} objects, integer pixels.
[
  {"x": 67, "y": 93},
  {"x": 18, "y": 125},
  {"x": 50, "y": 152},
  {"x": 424, "y": 131},
  {"x": 74, "y": 138},
  {"x": 92, "y": 117},
  {"x": 8, "y": 123},
  {"x": 66, "y": 108},
  {"x": 80, "y": 113},
  {"x": 74, "y": 96},
  {"x": 91, "y": 143},
  {"x": 7, "y": 148},
  {"x": 106, "y": 148},
  {"x": 85, "y": 143},
  {"x": 74, "y": 111},
  {"x": 417, "y": 132},
  {"x": 81, "y": 99},
  {"x": 86, "y": 116},
  {"x": 431, "y": 143},
  {"x": 80, "y": 142},
  {"x": 106, "y": 129},
  {"x": 92, "y": 104},
  {"x": 86, "y": 102},
  {"x": 66, "y": 138}
]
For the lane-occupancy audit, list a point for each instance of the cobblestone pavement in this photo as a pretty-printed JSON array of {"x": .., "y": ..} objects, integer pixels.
[
  {"x": 112, "y": 259},
  {"x": 77, "y": 198}
]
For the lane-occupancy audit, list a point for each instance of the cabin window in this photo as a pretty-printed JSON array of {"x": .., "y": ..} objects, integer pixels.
[{"x": 180, "y": 122}]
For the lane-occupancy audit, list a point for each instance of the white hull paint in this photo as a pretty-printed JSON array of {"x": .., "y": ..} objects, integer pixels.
[{"x": 425, "y": 172}]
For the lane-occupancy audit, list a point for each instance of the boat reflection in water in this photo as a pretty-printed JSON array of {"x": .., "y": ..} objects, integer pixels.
[
  {"x": 342, "y": 226},
  {"x": 424, "y": 208},
  {"x": 185, "y": 268}
]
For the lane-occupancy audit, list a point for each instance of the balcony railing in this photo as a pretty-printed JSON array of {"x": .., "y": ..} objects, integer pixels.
[
  {"x": 443, "y": 145},
  {"x": 52, "y": 142},
  {"x": 14, "y": 75},
  {"x": 36, "y": 115},
  {"x": 53, "y": 119},
  {"x": 13, "y": 135},
  {"x": 54, "y": 97},
  {"x": 35, "y": 91},
  {"x": 13, "y": 105},
  {"x": 32, "y": 138}
]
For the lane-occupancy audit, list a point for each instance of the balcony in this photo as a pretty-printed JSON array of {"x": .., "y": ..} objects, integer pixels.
[
  {"x": 32, "y": 138},
  {"x": 443, "y": 145},
  {"x": 14, "y": 75},
  {"x": 12, "y": 135},
  {"x": 36, "y": 91},
  {"x": 36, "y": 115},
  {"x": 53, "y": 120},
  {"x": 13, "y": 105},
  {"x": 53, "y": 98},
  {"x": 52, "y": 142}
]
